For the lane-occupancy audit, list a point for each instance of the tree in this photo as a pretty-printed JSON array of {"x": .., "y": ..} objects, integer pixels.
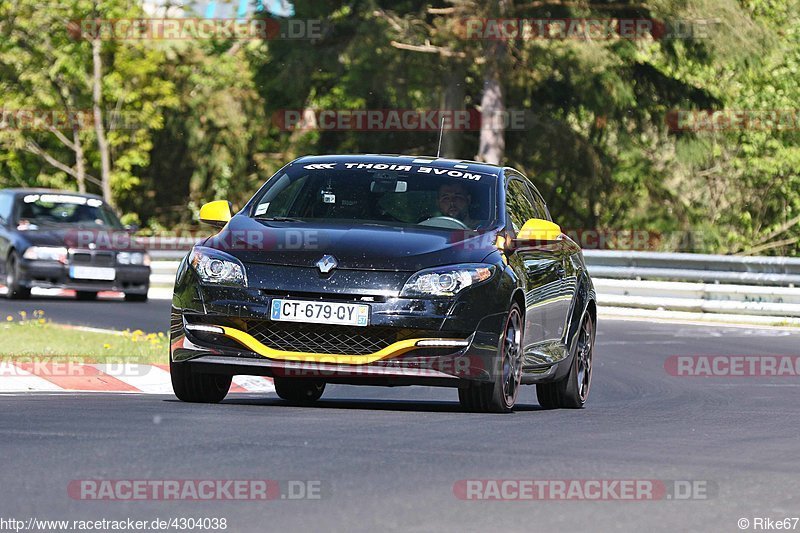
[{"x": 51, "y": 69}]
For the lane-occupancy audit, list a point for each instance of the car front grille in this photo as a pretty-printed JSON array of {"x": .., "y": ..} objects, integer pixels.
[
  {"x": 92, "y": 258},
  {"x": 326, "y": 339}
]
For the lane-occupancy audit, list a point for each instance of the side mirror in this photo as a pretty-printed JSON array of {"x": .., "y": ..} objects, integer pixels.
[
  {"x": 131, "y": 228},
  {"x": 216, "y": 213},
  {"x": 538, "y": 231}
]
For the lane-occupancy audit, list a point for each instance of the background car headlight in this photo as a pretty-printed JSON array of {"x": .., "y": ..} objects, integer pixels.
[
  {"x": 46, "y": 253},
  {"x": 446, "y": 281},
  {"x": 133, "y": 258},
  {"x": 217, "y": 267}
]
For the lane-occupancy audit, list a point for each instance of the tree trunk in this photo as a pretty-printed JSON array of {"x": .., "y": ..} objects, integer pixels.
[
  {"x": 97, "y": 102},
  {"x": 80, "y": 163},
  {"x": 453, "y": 100},
  {"x": 492, "y": 141}
]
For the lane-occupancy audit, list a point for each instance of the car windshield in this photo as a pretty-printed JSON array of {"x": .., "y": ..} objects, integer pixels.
[
  {"x": 393, "y": 195},
  {"x": 38, "y": 210}
]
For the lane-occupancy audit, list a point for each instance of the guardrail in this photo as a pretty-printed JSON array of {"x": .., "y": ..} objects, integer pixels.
[
  {"x": 763, "y": 286},
  {"x": 162, "y": 273},
  {"x": 700, "y": 283},
  {"x": 756, "y": 270}
]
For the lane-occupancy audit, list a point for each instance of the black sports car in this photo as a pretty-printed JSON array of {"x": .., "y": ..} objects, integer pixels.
[
  {"x": 67, "y": 240},
  {"x": 386, "y": 270}
]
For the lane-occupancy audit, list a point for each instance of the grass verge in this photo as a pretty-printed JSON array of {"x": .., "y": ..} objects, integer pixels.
[{"x": 37, "y": 337}]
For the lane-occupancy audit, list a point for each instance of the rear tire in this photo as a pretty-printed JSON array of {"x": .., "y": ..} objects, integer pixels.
[
  {"x": 299, "y": 391},
  {"x": 196, "y": 387},
  {"x": 86, "y": 296},
  {"x": 135, "y": 297},
  {"x": 500, "y": 395},
  {"x": 571, "y": 391},
  {"x": 15, "y": 290}
]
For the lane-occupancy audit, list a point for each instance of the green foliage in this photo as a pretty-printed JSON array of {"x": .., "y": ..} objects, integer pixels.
[
  {"x": 596, "y": 140},
  {"x": 47, "y": 68}
]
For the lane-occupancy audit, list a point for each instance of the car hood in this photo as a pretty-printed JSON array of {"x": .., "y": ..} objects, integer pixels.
[
  {"x": 356, "y": 247},
  {"x": 82, "y": 238}
]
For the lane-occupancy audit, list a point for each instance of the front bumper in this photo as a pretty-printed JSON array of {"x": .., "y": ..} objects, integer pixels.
[
  {"x": 131, "y": 279},
  {"x": 437, "y": 342}
]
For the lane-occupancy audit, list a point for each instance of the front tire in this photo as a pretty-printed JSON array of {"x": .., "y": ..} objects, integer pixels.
[
  {"x": 500, "y": 395},
  {"x": 299, "y": 391},
  {"x": 196, "y": 387},
  {"x": 15, "y": 290},
  {"x": 572, "y": 390}
]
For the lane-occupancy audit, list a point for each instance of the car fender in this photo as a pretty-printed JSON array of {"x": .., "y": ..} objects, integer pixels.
[{"x": 581, "y": 305}]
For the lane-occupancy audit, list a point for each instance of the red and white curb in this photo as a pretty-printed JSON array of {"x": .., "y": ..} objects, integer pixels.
[{"x": 129, "y": 378}]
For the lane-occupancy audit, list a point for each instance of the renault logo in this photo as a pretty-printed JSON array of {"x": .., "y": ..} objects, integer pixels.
[{"x": 327, "y": 263}]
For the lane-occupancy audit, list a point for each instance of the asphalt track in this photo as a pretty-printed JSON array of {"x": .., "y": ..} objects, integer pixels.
[
  {"x": 388, "y": 459},
  {"x": 107, "y": 313}
]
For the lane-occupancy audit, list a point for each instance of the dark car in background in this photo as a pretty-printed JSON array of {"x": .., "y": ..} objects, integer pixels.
[
  {"x": 387, "y": 270},
  {"x": 61, "y": 239}
]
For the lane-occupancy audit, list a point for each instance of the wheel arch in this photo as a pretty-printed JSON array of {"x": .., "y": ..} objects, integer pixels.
[
  {"x": 591, "y": 308},
  {"x": 11, "y": 249},
  {"x": 518, "y": 297},
  {"x": 583, "y": 303}
]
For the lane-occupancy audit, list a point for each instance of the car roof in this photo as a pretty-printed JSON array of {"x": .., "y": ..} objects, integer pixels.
[
  {"x": 41, "y": 190},
  {"x": 439, "y": 162}
]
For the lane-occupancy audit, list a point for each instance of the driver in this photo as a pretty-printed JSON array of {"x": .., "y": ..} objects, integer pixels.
[{"x": 454, "y": 201}]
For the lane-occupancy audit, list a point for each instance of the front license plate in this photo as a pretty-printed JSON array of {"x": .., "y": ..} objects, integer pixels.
[
  {"x": 320, "y": 312},
  {"x": 95, "y": 273}
]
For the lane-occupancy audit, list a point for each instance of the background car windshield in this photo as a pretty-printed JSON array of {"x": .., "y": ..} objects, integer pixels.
[
  {"x": 47, "y": 210},
  {"x": 396, "y": 198}
]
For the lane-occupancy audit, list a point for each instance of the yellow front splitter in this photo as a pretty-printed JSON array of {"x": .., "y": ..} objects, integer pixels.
[{"x": 393, "y": 350}]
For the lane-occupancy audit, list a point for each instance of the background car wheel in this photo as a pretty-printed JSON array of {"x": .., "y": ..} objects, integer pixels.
[
  {"x": 572, "y": 390},
  {"x": 15, "y": 290},
  {"x": 86, "y": 295},
  {"x": 135, "y": 297},
  {"x": 196, "y": 387},
  {"x": 300, "y": 391},
  {"x": 500, "y": 395}
]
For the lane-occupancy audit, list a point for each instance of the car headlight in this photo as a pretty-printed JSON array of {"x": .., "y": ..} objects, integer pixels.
[
  {"x": 133, "y": 258},
  {"x": 217, "y": 267},
  {"x": 446, "y": 281},
  {"x": 46, "y": 253}
]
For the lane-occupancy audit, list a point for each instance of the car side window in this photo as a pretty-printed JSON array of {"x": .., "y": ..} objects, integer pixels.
[
  {"x": 538, "y": 204},
  {"x": 519, "y": 205},
  {"x": 6, "y": 204}
]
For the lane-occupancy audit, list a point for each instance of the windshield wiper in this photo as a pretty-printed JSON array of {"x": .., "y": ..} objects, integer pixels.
[{"x": 278, "y": 219}]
